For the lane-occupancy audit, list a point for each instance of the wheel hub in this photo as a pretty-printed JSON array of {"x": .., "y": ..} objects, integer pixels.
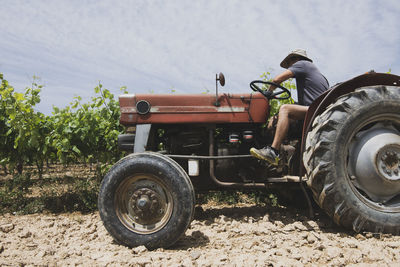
[
  {"x": 143, "y": 204},
  {"x": 388, "y": 162},
  {"x": 374, "y": 162},
  {"x": 146, "y": 206}
]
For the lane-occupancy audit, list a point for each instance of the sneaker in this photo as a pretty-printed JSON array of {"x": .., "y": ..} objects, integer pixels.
[{"x": 267, "y": 154}]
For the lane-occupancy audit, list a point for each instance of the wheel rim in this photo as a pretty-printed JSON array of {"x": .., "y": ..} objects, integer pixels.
[
  {"x": 143, "y": 203},
  {"x": 373, "y": 162}
]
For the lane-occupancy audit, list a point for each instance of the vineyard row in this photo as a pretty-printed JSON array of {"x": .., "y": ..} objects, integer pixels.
[{"x": 78, "y": 133}]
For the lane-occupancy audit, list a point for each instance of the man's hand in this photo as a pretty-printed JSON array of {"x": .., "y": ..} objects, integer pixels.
[{"x": 272, "y": 87}]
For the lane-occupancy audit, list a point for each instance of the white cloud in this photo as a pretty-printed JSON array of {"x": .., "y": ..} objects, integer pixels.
[{"x": 157, "y": 45}]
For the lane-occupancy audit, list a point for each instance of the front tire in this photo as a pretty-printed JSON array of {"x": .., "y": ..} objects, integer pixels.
[
  {"x": 146, "y": 199},
  {"x": 352, "y": 158}
]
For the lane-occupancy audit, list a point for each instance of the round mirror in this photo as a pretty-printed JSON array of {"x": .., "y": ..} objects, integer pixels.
[{"x": 221, "y": 79}]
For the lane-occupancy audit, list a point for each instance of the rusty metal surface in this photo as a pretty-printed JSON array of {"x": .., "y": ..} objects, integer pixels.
[{"x": 195, "y": 108}]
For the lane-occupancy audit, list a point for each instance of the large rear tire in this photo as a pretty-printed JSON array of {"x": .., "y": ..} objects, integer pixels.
[
  {"x": 146, "y": 199},
  {"x": 352, "y": 158}
]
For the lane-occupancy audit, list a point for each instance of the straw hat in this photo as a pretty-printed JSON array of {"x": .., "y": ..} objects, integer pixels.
[{"x": 295, "y": 53}]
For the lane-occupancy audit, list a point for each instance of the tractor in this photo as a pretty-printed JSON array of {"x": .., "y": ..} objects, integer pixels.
[{"x": 346, "y": 151}]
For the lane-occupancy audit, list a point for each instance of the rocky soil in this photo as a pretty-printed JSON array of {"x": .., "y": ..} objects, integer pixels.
[{"x": 237, "y": 235}]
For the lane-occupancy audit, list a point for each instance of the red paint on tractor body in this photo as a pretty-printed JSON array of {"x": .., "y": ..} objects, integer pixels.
[{"x": 195, "y": 108}]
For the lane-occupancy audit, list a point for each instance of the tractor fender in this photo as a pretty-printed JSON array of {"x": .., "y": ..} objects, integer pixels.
[{"x": 323, "y": 101}]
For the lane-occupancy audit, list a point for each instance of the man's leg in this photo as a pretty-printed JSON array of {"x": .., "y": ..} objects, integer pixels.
[{"x": 287, "y": 112}]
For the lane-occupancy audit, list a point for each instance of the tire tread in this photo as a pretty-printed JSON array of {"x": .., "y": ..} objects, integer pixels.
[{"x": 319, "y": 153}]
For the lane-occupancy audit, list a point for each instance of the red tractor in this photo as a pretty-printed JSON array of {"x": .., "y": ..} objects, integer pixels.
[{"x": 347, "y": 150}]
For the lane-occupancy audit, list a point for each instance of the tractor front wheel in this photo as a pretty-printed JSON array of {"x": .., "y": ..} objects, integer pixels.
[{"x": 146, "y": 199}]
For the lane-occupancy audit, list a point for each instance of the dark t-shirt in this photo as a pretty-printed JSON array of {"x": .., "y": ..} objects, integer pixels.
[{"x": 309, "y": 81}]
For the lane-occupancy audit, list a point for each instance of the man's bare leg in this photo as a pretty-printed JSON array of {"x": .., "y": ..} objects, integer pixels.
[{"x": 287, "y": 112}]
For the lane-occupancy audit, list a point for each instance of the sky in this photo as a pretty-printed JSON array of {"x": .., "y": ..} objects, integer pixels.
[{"x": 177, "y": 46}]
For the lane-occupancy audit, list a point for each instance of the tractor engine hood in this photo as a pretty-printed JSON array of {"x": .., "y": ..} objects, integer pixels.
[{"x": 192, "y": 108}]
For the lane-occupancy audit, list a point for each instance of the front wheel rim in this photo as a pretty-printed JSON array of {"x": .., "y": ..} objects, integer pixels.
[{"x": 143, "y": 203}]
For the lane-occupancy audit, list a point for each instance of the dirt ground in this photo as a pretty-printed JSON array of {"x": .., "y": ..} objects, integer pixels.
[{"x": 220, "y": 235}]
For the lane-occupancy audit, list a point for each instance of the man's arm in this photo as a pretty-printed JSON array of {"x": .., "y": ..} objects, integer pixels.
[{"x": 287, "y": 74}]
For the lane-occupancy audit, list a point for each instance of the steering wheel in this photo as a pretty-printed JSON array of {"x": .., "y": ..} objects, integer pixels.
[{"x": 268, "y": 94}]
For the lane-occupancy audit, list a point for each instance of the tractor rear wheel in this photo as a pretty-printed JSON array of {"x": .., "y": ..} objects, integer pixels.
[
  {"x": 352, "y": 158},
  {"x": 146, "y": 199}
]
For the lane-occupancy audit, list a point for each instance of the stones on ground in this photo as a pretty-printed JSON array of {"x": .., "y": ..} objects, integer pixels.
[
  {"x": 279, "y": 224},
  {"x": 41, "y": 254},
  {"x": 312, "y": 238},
  {"x": 224, "y": 219},
  {"x": 5, "y": 228},
  {"x": 376, "y": 254},
  {"x": 352, "y": 244},
  {"x": 333, "y": 252},
  {"x": 360, "y": 237},
  {"x": 249, "y": 245},
  {"x": 312, "y": 224},
  {"x": 353, "y": 256},
  {"x": 238, "y": 237},
  {"x": 31, "y": 246},
  {"x": 395, "y": 244},
  {"x": 25, "y": 234},
  {"x": 139, "y": 250},
  {"x": 195, "y": 254},
  {"x": 295, "y": 254},
  {"x": 289, "y": 228},
  {"x": 300, "y": 226}
]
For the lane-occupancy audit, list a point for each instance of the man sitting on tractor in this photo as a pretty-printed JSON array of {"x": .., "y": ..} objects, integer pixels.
[{"x": 310, "y": 84}]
